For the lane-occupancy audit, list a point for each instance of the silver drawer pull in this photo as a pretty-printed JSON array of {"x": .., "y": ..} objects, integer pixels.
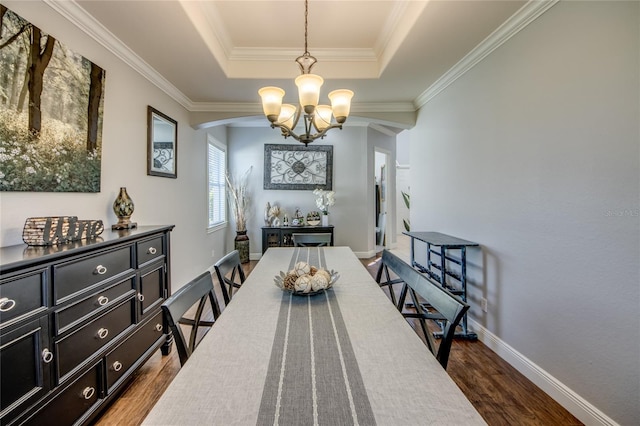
[
  {"x": 158, "y": 327},
  {"x": 117, "y": 366},
  {"x": 88, "y": 392},
  {"x": 100, "y": 270},
  {"x": 141, "y": 297},
  {"x": 47, "y": 356},
  {"x": 103, "y": 333},
  {"x": 103, "y": 300},
  {"x": 7, "y": 304},
  {"x": 152, "y": 250}
]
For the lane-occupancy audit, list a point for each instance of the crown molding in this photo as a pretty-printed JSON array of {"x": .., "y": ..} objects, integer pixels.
[
  {"x": 242, "y": 107},
  {"x": 523, "y": 17},
  {"x": 283, "y": 54},
  {"x": 256, "y": 108},
  {"x": 94, "y": 29},
  {"x": 384, "y": 107}
]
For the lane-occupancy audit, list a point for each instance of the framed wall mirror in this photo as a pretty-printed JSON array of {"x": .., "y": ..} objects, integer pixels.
[{"x": 162, "y": 144}]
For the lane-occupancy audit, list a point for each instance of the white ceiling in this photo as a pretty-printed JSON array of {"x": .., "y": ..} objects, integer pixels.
[{"x": 388, "y": 52}]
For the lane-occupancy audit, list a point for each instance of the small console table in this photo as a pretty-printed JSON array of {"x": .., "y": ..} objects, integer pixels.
[
  {"x": 439, "y": 269},
  {"x": 281, "y": 236}
]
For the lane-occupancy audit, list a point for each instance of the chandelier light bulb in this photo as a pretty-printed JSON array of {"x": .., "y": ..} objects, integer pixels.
[
  {"x": 271, "y": 101},
  {"x": 341, "y": 104},
  {"x": 288, "y": 115},
  {"x": 322, "y": 117},
  {"x": 309, "y": 91}
]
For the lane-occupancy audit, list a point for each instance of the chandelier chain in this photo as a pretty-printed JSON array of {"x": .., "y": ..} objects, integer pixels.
[{"x": 306, "y": 14}]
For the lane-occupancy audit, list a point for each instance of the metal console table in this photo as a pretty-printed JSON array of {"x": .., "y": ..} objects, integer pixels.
[{"x": 440, "y": 246}]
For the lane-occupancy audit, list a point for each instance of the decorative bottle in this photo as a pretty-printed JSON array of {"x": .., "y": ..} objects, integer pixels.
[{"x": 123, "y": 208}]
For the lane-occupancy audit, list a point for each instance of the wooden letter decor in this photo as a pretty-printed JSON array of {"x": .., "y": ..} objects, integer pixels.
[{"x": 47, "y": 231}]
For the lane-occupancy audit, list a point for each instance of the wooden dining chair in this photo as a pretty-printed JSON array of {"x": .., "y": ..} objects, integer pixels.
[
  {"x": 230, "y": 274},
  {"x": 197, "y": 291},
  {"x": 389, "y": 281},
  {"x": 442, "y": 306},
  {"x": 311, "y": 239}
]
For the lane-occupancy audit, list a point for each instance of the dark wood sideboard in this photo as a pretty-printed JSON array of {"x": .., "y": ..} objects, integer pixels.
[
  {"x": 281, "y": 236},
  {"x": 76, "y": 320}
]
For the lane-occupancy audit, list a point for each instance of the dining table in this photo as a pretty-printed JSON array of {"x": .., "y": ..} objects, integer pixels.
[{"x": 344, "y": 356}]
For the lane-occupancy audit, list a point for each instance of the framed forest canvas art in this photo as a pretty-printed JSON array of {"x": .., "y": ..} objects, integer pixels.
[{"x": 51, "y": 103}]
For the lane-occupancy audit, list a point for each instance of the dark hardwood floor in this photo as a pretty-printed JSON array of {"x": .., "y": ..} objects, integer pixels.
[{"x": 501, "y": 394}]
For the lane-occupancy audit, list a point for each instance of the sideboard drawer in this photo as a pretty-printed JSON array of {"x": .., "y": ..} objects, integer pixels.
[
  {"x": 121, "y": 359},
  {"x": 22, "y": 296},
  {"x": 74, "y": 277},
  {"x": 150, "y": 249},
  {"x": 152, "y": 289},
  {"x": 24, "y": 367},
  {"x": 99, "y": 301},
  {"x": 74, "y": 349},
  {"x": 73, "y": 402}
]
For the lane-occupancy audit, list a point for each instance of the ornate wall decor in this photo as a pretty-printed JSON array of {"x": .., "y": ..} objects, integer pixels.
[
  {"x": 51, "y": 105},
  {"x": 298, "y": 167}
]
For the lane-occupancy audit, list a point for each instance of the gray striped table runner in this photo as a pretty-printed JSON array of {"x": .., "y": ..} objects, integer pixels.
[{"x": 313, "y": 375}]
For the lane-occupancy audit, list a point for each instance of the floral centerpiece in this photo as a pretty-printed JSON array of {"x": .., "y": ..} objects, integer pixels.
[{"x": 324, "y": 200}]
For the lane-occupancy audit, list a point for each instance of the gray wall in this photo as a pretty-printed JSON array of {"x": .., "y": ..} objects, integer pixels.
[
  {"x": 353, "y": 160},
  {"x": 534, "y": 154}
]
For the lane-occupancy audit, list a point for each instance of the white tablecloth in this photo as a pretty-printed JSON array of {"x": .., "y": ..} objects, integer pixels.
[{"x": 223, "y": 383}]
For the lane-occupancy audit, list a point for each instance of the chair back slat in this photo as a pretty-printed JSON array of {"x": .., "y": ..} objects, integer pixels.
[
  {"x": 230, "y": 274},
  {"x": 449, "y": 307},
  {"x": 197, "y": 291},
  {"x": 311, "y": 239}
]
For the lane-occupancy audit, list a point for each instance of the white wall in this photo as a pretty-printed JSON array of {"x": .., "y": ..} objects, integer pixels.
[
  {"x": 403, "y": 147},
  {"x": 386, "y": 144},
  {"x": 403, "y": 178},
  {"x": 352, "y": 215},
  {"x": 158, "y": 201},
  {"x": 534, "y": 154}
]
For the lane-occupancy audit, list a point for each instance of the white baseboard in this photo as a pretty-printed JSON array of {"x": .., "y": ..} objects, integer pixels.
[
  {"x": 574, "y": 403},
  {"x": 365, "y": 254},
  {"x": 255, "y": 256}
]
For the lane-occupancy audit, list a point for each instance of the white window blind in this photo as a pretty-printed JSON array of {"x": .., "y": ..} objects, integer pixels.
[{"x": 217, "y": 169}]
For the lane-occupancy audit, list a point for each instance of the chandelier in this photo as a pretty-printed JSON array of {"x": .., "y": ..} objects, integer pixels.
[{"x": 318, "y": 117}]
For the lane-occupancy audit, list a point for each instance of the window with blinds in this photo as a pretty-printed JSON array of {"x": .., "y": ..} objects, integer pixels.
[{"x": 216, "y": 170}]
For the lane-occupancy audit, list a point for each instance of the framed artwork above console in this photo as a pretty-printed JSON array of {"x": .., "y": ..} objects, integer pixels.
[{"x": 298, "y": 167}]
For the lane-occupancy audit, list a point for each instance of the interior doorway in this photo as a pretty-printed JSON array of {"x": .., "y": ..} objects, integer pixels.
[{"x": 382, "y": 199}]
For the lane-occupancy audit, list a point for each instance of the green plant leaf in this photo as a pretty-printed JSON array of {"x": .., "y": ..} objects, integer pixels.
[{"x": 407, "y": 198}]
